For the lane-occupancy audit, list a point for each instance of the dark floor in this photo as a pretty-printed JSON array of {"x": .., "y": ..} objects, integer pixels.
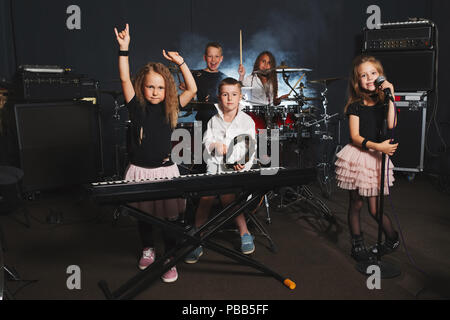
[{"x": 311, "y": 252}]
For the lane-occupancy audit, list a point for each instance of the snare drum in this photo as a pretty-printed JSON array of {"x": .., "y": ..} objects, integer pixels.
[
  {"x": 293, "y": 109},
  {"x": 259, "y": 110},
  {"x": 285, "y": 117},
  {"x": 288, "y": 123}
]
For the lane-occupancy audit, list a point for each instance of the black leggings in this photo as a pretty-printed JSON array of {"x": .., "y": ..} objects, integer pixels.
[
  {"x": 146, "y": 234},
  {"x": 354, "y": 210}
]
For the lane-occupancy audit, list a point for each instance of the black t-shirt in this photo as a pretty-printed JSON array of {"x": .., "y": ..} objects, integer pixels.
[
  {"x": 156, "y": 145},
  {"x": 370, "y": 120},
  {"x": 207, "y": 84}
]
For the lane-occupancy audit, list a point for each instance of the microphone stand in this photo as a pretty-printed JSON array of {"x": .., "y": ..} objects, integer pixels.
[{"x": 387, "y": 270}]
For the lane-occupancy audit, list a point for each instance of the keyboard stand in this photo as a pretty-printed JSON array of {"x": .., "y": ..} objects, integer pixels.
[{"x": 189, "y": 239}]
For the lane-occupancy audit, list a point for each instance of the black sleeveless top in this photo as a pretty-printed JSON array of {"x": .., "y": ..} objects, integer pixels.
[
  {"x": 150, "y": 148},
  {"x": 370, "y": 120}
]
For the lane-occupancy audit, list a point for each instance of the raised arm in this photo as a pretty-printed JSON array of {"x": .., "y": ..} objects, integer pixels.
[
  {"x": 123, "y": 39},
  {"x": 241, "y": 72},
  {"x": 191, "y": 86}
]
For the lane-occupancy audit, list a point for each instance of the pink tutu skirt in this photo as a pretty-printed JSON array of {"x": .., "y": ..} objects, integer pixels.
[
  {"x": 166, "y": 209},
  {"x": 358, "y": 169}
]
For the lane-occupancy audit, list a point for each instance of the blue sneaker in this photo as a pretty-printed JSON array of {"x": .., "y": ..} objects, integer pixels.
[
  {"x": 194, "y": 255},
  {"x": 247, "y": 245}
]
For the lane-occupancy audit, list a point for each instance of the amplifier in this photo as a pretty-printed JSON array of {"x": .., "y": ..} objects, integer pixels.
[
  {"x": 45, "y": 84},
  {"x": 397, "y": 64},
  {"x": 58, "y": 143},
  {"x": 411, "y": 35},
  {"x": 410, "y": 131}
]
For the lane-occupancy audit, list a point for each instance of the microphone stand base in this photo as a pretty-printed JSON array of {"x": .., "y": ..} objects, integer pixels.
[{"x": 387, "y": 270}]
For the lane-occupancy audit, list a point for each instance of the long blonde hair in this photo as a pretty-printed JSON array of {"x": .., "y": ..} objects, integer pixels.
[
  {"x": 171, "y": 94},
  {"x": 355, "y": 93}
]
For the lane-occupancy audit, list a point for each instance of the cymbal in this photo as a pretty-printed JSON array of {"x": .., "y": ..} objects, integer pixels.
[
  {"x": 326, "y": 81},
  {"x": 303, "y": 99},
  {"x": 284, "y": 68},
  {"x": 264, "y": 72}
]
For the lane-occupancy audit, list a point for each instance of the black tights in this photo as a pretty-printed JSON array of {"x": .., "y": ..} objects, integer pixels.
[
  {"x": 146, "y": 234},
  {"x": 354, "y": 220}
]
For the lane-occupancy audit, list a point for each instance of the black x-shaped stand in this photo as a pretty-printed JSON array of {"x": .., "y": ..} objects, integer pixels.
[{"x": 190, "y": 238}]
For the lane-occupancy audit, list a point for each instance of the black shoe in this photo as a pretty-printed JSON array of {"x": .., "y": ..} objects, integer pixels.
[
  {"x": 359, "y": 251},
  {"x": 387, "y": 247}
]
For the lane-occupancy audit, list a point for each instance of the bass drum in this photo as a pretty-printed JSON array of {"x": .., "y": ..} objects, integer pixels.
[{"x": 257, "y": 114}]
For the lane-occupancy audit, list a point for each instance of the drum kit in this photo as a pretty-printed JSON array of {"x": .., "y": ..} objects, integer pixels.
[
  {"x": 300, "y": 120},
  {"x": 296, "y": 116}
]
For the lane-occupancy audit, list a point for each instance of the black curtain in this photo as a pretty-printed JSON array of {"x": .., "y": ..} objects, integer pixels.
[
  {"x": 322, "y": 35},
  {"x": 7, "y": 41}
]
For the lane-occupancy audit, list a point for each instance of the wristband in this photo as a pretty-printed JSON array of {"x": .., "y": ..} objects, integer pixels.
[
  {"x": 123, "y": 53},
  {"x": 179, "y": 66},
  {"x": 364, "y": 144}
]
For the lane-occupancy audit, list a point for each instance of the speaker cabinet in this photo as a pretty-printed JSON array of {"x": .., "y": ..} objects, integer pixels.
[
  {"x": 399, "y": 64},
  {"x": 58, "y": 144}
]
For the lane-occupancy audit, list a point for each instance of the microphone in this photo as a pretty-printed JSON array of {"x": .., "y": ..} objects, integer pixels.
[
  {"x": 263, "y": 72},
  {"x": 386, "y": 91}
]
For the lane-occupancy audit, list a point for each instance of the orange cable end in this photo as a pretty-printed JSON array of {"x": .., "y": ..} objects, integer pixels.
[{"x": 290, "y": 284}]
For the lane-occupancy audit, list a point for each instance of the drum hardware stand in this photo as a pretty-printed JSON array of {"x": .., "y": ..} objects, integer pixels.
[
  {"x": 339, "y": 145},
  {"x": 324, "y": 168},
  {"x": 298, "y": 97},
  {"x": 250, "y": 216},
  {"x": 266, "y": 203},
  {"x": 303, "y": 194},
  {"x": 262, "y": 231}
]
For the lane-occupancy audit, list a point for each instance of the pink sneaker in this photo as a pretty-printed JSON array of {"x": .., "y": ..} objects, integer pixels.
[
  {"x": 170, "y": 276},
  {"x": 148, "y": 257}
]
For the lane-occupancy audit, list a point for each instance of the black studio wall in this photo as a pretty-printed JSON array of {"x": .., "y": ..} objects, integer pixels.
[{"x": 323, "y": 35}]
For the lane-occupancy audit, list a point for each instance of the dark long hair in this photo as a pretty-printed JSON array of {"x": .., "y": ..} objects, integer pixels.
[{"x": 272, "y": 76}]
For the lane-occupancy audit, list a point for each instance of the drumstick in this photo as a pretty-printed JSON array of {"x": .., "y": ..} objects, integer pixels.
[
  {"x": 296, "y": 84},
  {"x": 241, "y": 44}
]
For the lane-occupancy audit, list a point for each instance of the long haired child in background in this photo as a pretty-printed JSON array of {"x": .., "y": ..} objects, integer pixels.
[
  {"x": 263, "y": 80},
  {"x": 153, "y": 105},
  {"x": 358, "y": 164}
]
